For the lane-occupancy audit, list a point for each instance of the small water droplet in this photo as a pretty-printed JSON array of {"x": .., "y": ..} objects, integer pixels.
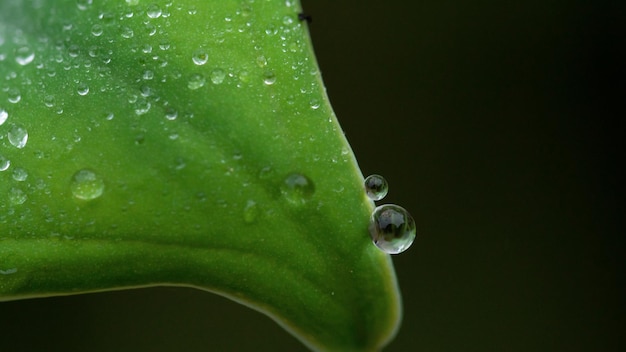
[
  {"x": 261, "y": 61},
  {"x": 86, "y": 185},
  {"x": 4, "y": 163},
  {"x": 82, "y": 89},
  {"x": 96, "y": 30},
  {"x": 269, "y": 78},
  {"x": 217, "y": 76},
  {"x": 83, "y": 4},
  {"x": 376, "y": 187},
  {"x": 200, "y": 57},
  {"x": 127, "y": 32},
  {"x": 171, "y": 113},
  {"x": 17, "y": 196},
  {"x": 4, "y": 115},
  {"x": 14, "y": 95},
  {"x": 18, "y": 136},
  {"x": 154, "y": 11},
  {"x": 196, "y": 81},
  {"x": 315, "y": 104},
  {"x": 392, "y": 228},
  {"x": 297, "y": 188},
  {"x": 250, "y": 212},
  {"x": 24, "y": 55},
  {"x": 20, "y": 174}
]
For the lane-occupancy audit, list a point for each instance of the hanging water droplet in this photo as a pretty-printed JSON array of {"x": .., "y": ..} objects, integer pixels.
[
  {"x": 196, "y": 81},
  {"x": 269, "y": 78},
  {"x": 4, "y": 115},
  {"x": 18, "y": 136},
  {"x": 17, "y": 196},
  {"x": 86, "y": 185},
  {"x": 20, "y": 174},
  {"x": 217, "y": 76},
  {"x": 392, "y": 228},
  {"x": 376, "y": 187},
  {"x": 250, "y": 212},
  {"x": 200, "y": 57},
  {"x": 4, "y": 163},
  {"x": 297, "y": 189},
  {"x": 24, "y": 55}
]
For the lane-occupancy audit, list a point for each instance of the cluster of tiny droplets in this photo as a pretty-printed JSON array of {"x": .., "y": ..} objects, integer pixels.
[{"x": 391, "y": 227}]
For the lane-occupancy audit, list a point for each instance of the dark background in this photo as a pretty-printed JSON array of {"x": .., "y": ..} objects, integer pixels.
[{"x": 499, "y": 126}]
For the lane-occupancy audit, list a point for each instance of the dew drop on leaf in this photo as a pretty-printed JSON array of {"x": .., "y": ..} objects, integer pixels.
[
  {"x": 200, "y": 57},
  {"x": 24, "y": 56},
  {"x": 18, "y": 136},
  {"x": 19, "y": 174},
  {"x": 269, "y": 78},
  {"x": 17, "y": 196},
  {"x": 3, "y": 116},
  {"x": 4, "y": 163},
  {"x": 217, "y": 76},
  {"x": 392, "y": 228},
  {"x": 196, "y": 81},
  {"x": 376, "y": 187},
  {"x": 297, "y": 188},
  {"x": 86, "y": 185}
]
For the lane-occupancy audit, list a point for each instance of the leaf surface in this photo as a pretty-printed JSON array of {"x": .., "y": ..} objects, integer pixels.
[{"x": 184, "y": 143}]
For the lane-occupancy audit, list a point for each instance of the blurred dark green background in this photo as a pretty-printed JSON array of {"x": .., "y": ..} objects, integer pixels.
[{"x": 497, "y": 125}]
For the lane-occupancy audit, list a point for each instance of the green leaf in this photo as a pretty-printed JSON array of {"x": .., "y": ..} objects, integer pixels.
[{"x": 184, "y": 143}]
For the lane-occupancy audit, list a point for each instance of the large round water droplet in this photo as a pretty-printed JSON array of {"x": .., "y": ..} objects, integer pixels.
[
  {"x": 376, "y": 187},
  {"x": 269, "y": 78},
  {"x": 392, "y": 228},
  {"x": 20, "y": 174},
  {"x": 297, "y": 188},
  {"x": 24, "y": 56},
  {"x": 18, "y": 136},
  {"x": 87, "y": 185},
  {"x": 217, "y": 76}
]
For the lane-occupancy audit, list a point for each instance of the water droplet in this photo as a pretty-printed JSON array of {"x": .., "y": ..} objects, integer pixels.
[
  {"x": 17, "y": 196},
  {"x": 154, "y": 11},
  {"x": 4, "y": 115},
  {"x": 392, "y": 228},
  {"x": 86, "y": 185},
  {"x": 269, "y": 78},
  {"x": 20, "y": 174},
  {"x": 200, "y": 57},
  {"x": 14, "y": 95},
  {"x": 261, "y": 61},
  {"x": 83, "y": 4},
  {"x": 24, "y": 55},
  {"x": 82, "y": 89},
  {"x": 8, "y": 271},
  {"x": 18, "y": 136},
  {"x": 4, "y": 163},
  {"x": 96, "y": 30},
  {"x": 250, "y": 212},
  {"x": 132, "y": 2},
  {"x": 171, "y": 114},
  {"x": 315, "y": 104},
  {"x": 127, "y": 32},
  {"x": 297, "y": 188},
  {"x": 196, "y": 81},
  {"x": 376, "y": 187},
  {"x": 217, "y": 76}
]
